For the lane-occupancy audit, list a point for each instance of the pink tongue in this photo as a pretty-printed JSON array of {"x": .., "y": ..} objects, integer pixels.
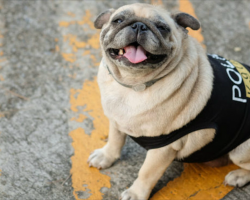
[{"x": 135, "y": 55}]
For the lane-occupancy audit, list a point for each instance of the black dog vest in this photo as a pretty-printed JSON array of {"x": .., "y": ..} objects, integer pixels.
[{"x": 227, "y": 111}]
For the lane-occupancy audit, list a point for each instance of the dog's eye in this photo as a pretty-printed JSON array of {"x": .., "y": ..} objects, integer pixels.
[
  {"x": 118, "y": 21},
  {"x": 161, "y": 28}
]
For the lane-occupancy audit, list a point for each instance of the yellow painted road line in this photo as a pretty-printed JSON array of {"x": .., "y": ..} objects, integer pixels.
[
  {"x": 85, "y": 179},
  {"x": 197, "y": 182}
]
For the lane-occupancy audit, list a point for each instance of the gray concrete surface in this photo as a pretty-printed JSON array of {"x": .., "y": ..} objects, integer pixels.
[
  {"x": 35, "y": 147},
  {"x": 34, "y": 142}
]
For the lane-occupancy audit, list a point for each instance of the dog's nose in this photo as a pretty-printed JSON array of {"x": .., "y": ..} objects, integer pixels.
[{"x": 139, "y": 27}]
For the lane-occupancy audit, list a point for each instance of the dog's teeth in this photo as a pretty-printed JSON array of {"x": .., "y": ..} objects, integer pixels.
[{"x": 121, "y": 52}]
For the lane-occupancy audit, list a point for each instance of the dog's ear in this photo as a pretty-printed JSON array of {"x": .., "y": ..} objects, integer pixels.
[
  {"x": 103, "y": 18},
  {"x": 185, "y": 20}
]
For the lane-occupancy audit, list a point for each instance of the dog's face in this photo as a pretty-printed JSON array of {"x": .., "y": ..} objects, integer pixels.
[{"x": 141, "y": 36}]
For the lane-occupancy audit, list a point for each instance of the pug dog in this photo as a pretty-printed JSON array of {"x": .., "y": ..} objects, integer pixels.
[{"x": 159, "y": 87}]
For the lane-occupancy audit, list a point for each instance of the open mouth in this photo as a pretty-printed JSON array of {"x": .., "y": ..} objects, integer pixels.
[{"x": 135, "y": 53}]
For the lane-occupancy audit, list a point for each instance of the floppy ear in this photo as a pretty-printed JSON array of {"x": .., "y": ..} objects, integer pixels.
[
  {"x": 103, "y": 18},
  {"x": 185, "y": 20}
]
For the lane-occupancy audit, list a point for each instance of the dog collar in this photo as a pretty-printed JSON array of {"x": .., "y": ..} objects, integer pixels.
[{"x": 138, "y": 87}]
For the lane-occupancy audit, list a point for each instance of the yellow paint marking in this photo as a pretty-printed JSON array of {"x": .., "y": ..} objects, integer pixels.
[
  {"x": 83, "y": 177},
  {"x": 92, "y": 42},
  {"x": 65, "y": 24},
  {"x": 86, "y": 53},
  {"x": 71, "y": 14},
  {"x": 80, "y": 118},
  {"x": 197, "y": 182},
  {"x": 95, "y": 63},
  {"x": 1, "y": 78},
  {"x": 3, "y": 59},
  {"x": 87, "y": 20},
  {"x": 1, "y": 53},
  {"x": 156, "y": 2},
  {"x": 74, "y": 43},
  {"x": 69, "y": 57},
  {"x": 72, "y": 75},
  {"x": 57, "y": 49},
  {"x": 186, "y": 6}
]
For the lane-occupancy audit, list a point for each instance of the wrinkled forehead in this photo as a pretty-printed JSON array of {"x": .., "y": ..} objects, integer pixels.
[{"x": 151, "y": 12}]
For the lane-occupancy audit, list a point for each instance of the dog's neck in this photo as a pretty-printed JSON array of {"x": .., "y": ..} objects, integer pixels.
[{"x": 137, "y": 87}]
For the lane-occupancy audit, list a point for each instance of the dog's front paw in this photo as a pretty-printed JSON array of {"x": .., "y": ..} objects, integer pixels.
[
  {"x": 100, "y": 160},
  {"x": 131, "y": 194},
  {"x": 237, "y": 178}
]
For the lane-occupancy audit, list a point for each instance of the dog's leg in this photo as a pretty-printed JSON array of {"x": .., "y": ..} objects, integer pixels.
[
  {"x": 106, "y": 156},
  {"x": 156, "y": 162},
  {"x": 241, "y": 157}
]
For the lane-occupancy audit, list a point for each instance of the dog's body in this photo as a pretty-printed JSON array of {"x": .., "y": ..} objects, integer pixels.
[{"x": 180, "y": 84}]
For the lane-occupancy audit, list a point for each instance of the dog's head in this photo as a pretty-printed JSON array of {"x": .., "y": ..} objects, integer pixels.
[{"x": 142, "y": 36}]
